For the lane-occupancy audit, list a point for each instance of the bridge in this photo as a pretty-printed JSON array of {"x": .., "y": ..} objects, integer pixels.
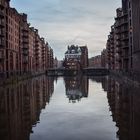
[{"x": 90, "y": 71}]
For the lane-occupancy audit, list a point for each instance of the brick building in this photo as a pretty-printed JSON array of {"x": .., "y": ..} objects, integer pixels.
[
  {"x": 27, "y": 43},
  {"x": 12, "y": 41},
  {"x": 84, "y": 56},
  {"x": 104, "y": 60},
  {"x": 111, "y": 47},
  {"x": 50, "y": 57},
  {"x": 118, "y": 49},
  {"x": 22, "y": 50},
  {"x": 76, "y": 57},
  {"x": 95, "y": 62},
  {"x": 123, "y": 49},
  {"x": 3, "y": 4},
  {"x": 135, "y": 25}
]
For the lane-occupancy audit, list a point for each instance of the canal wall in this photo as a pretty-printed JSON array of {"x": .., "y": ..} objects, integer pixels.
[
  {"x": 16, "y": 79},
  {"x": 87, "y": 72},
  {"x": 127, "y": 78}
]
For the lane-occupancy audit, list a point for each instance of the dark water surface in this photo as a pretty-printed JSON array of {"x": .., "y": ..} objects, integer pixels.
[{"x": 70, "y": 108}]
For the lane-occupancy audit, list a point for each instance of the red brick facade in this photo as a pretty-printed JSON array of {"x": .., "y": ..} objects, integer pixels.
[
  {"x": 95, "y": 62},
  {"x": 123, "y": 45},
  {"x": 22, "y": 50},
  {"x": 76, "y": 57}
]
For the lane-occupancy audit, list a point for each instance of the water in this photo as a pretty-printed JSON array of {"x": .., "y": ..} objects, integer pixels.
[{"x": 78, "y": 108}]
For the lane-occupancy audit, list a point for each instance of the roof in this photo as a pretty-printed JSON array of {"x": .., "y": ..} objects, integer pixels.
[{"x": 73, "y": 50}]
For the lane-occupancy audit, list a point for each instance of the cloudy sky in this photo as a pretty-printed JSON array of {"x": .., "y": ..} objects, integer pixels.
[{"x": 66, "y": 22}]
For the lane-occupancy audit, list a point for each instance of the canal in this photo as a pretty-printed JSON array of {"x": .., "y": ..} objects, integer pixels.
[{"x": 70, "y": 108}]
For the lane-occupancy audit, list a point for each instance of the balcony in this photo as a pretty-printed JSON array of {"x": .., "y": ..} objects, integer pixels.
[
  {"x": 25, "y": 47},
  {"x": 1, "y": 33},
  {"x": 118, "y": 31},
  {"x": 37, "y": 45},
  {"x": 123, "y": 30},
  {"x": 118, "y": 24},
  {"x": 1, "y": 56},
  {"x": 25, "y": 60},
  {"x": 43, "y": 52},
  {"x": 2, "y": 44},
  {"x": 124, "y": 21},
  {"x": 118, "y": 37},
  {"x": 2, "y": 23},
  {"x": 1, "y": 14},
  {"x": 36, "y": 41},
  {"x": 118, "y": 43},
  {"x": 124, "y": 38},
  {"x": 25, "y": 36},
  {"x": 118, "y": 57},
  {"x": 2, "y": 4},
  {"x": 25, "y": 41},
  {"x": 43, "y": 49},
  {"x": 118, "y": 50},
  {"x": 1, "y": 59},
  {"x": 125, "y": 15},
  {"x": 125, "y": 54},
  {"x": 125, "y": 46},
  {"x": 24, "y": 30},
  {"x": 125, "y": 57},
  {"x": 37, "y": 53},
  {"x": 37, "y": 49},
  {"x": 25, "y": 52}
]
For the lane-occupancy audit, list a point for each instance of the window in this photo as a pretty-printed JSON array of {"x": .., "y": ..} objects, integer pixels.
[
  {"x": 1, "y": 54},
  {"x": 129, "y": 4}
]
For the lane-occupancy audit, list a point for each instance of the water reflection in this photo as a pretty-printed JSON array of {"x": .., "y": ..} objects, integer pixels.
[
  {"x": 76, "y": 88},
  {"x": 124, "y": 102},
  {"x": 21, "y": 105}
]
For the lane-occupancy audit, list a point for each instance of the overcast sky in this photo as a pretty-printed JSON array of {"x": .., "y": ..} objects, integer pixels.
[{"x": 66, "y": 22}]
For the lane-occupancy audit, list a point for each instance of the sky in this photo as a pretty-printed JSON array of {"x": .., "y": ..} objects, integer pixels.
[{"x": 67, "y": 22}]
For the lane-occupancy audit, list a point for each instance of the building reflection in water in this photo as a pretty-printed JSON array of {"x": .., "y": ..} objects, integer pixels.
[
  {"x": 124, "y": 102},
  {"x": 21, "y": 105},
  {"x": 76, "y": 88}
]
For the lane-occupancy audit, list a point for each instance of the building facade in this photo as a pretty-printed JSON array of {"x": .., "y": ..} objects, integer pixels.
[
  {"x": 104, "y": 60},
  {"x": 95, "y": 62},
  {"x": 3, "y": 5},
  {"x": 22, "y": 50},
  {"x": 123, "y": 44},
  {"x": 84, "y": 56},
  {"x": 135, "y": 6},
  {"x": 76, "y": 57}
]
